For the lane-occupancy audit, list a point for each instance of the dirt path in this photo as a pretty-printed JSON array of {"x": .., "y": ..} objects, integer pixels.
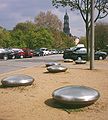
[{"x": 35, "y": 102}]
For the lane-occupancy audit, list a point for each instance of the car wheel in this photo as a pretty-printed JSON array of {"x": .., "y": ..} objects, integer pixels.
[
  {"x": 21, "y": 56},
  {"x": 5, "y": 57},
  {"x": 13, "y": 57},
  {"x": 79, "y": 58},
  {"x": 100, "y": 58}
]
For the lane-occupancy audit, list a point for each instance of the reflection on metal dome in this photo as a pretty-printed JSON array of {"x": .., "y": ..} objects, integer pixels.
[
  {"x": 76, "y": 95},
  {"x": 52, "y": 63},
  {"x": 68, "y": 60},
  {"x": 56, "y": 68},
  {"x": 80, "y": 61},
  {"x": 17, "y": 80}
]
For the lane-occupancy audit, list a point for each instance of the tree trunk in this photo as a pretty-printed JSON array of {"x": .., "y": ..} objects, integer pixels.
[{"x": 88, "y": 42}]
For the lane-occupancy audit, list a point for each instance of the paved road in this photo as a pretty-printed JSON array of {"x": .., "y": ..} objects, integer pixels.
[
  {"x": 11, "y": 65},
  {"x": 17, "y": 64}
]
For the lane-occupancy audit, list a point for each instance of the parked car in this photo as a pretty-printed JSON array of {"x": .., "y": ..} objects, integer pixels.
[
  {"x": 45, "y": 51},
  {"x": 37, "y": 52},
  {"x": 54, "y": 51},
  {"x": 27, "y": 53},
  {"x": 60, "y": 51},
  {"x": 50, "y": 52},
  {"x": 81, "y": 53},
  {"x": 6, "y": 54},
  {"x": 100, "y": 55},
  {"x": 19, "y": 53}
]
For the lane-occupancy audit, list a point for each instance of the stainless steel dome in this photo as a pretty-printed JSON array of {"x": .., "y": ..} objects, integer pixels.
[
  {"x": 77, "y": 95},
  {"x": 80, "y": 61},
  {"x": 17, "y": 80},
  {"x": 56, "y": 68},
  {"x": 68, "y": 60},
  {"x": 52, "y": 63}
]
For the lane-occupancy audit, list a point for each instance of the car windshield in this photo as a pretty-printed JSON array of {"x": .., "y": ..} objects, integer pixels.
[
  {"x": 2, "y": 50},
  {"x": 42, "y": 49},
  {"x": 73, "y": 48},
  {"x": 81, "y": 50},
  {"x": 37, "y": 49}
]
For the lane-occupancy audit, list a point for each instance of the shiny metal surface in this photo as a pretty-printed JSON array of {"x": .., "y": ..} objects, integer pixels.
[
  {"x": 76, "y": 95},
  {"x": 17, "y": 80},
  {"x": 80, "y": 61},
  {"x": 56, "y": 68},
  {"x": 52, "y": 63},
  {"x": 68, "y": 60}
]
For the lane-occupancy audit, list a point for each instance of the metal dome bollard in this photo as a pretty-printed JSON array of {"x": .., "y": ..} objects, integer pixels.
[
  {"x": 80, "y": 61},
  {"x": 52, "y": 63},
  {"x": 17, "y": 80},
  {"x": 68, "y": 60},
  {"x": 56, "y": 68},
  {"x": 76, "y": 95}
]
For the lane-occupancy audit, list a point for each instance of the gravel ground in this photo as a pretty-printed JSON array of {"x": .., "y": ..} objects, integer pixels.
[{"x": 35, "y": 102}]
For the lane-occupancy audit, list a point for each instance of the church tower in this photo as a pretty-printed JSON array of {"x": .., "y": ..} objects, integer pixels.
[{"x": 66, "y": 28}]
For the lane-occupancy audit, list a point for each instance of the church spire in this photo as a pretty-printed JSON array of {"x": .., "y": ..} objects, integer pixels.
[{"x": 66, "y": 28}]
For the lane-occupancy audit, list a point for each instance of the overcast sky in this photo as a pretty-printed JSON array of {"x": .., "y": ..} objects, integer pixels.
[{"x": 15, "y": 11}]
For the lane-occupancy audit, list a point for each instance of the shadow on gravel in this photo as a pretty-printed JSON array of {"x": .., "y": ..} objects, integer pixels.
[{"x": 68, "y": 108}]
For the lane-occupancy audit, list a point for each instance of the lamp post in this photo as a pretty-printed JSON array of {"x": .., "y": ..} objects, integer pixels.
[{"x": 92, "y": 37}]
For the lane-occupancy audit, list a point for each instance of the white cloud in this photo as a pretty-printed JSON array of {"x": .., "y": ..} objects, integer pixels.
[
  {"x": 19, "y": 17},
  {"x": 58, "y": 13},
  {"x": 76, "y": 24},
  {"x": 3, "y": 6}
]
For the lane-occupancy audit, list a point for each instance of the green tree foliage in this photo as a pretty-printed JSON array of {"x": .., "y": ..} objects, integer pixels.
[
  {"x": 101, "y": 35},
  {"x": 83, "y": 41},
  {"x": 48, "y": 20},
  {"x": 18, "y": 38},
  {"x": 24, "y": 34},
  {"x": 25, "y": 26},
  {"x": 4, "y": 38},
  {"x": 31, "y": 35},
  {"x": 30, "y": 39},
  {"x": 67, "y": 41},
  {"x": 61, "y": 40},
  {"x": 43, "y": 38}
]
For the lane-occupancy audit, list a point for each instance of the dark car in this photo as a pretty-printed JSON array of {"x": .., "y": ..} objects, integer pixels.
[
  {"x": 28, "y": 53},
  {"x": 6, "y": 54},
  {"x": 38, "y": 52},
  {"x": 81, "y": 53}
]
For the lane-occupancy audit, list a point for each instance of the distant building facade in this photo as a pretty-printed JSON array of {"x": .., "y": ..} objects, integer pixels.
[{"x": 66, "y": 28}]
